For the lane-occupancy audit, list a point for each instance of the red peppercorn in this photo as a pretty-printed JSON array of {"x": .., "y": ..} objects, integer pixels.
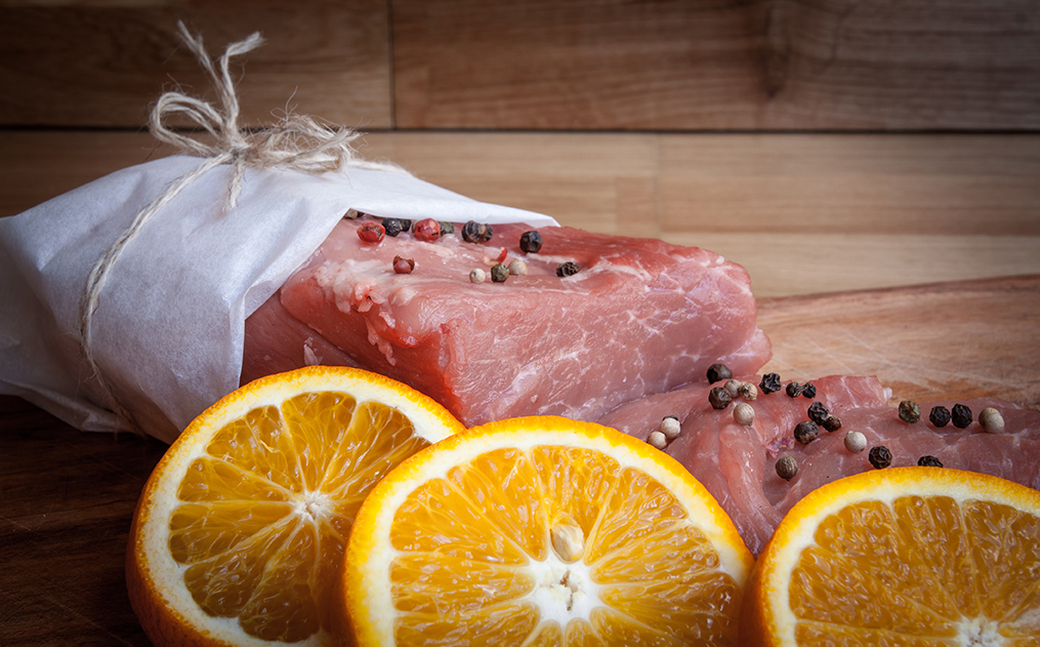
[
  {"x": 371, "y": 232},
  {"x": 403, "y": 265},
  {"x": 427, "y": 230}
]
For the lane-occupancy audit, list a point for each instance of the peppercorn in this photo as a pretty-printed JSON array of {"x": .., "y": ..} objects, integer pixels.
[
  {"x": 929, "y": 461},
  {"x": 794, "y": 389},
  {"x": 786, "y": 467},
  {"x": 427, "y": 230},
  {"x": 909, "y": 411},
  {"x": 567, "y": 269},
  {"x": 395, "y": 226},
  {"x": 446, "y": 227},
  {"x": 517, "y": 267},
  {"x": 770, "y": 383},
  {"x": 670, "y": 427},
  {"x": 477, "y": 276},
  {"x": 832, "y": 423},
  {"x": 717, "y": 372},
  {"x": 961, "y": 416},
  {"x": 476, "y": 232},
  {"x": 744, "y": 414},
  {"x": 499, "y": 273},
  {"x": 530, "y": 242},
  {"x": 818, "y": 413},
  {"x": 806, "y": 432},
  {"x": 880, "y": 457},
  {"x": 748, "y": 391},
  {"x": 352, "y": 214},
  {"x": 939, "y": 416},
  {"x": 809, "y": 390},
  {"x": 657, "y": 440},
  {"x": 371, "y": 232},
  {"x": 855, "y": 442},
  {"x": 991, "y": 420},
  {"x": 403, "y": 265},
  {"x": 733, "y": 387},
  {"x": 719, "y": 398}
]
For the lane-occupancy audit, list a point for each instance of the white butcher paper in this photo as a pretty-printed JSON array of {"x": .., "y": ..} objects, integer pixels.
[{"x": 169, "y": 328}]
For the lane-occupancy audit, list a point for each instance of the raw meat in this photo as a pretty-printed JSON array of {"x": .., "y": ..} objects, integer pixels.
[
  {"x": 737, "y": 464},
  {"x": 640, "y": 316}
]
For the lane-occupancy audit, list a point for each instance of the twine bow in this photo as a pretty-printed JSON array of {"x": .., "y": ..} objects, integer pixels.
[{"x": 298, "y": 143}]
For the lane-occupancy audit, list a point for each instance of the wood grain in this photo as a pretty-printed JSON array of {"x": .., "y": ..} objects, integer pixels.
[
  {"x": 803, "y": 213},
  {"x": 103, "y": 64},
  {"x": 674, "y": 65},
  {"x": 67, "y": 498}
]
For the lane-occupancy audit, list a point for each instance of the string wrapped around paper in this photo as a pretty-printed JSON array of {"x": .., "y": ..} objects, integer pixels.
[{"x": 127, "y": 296}]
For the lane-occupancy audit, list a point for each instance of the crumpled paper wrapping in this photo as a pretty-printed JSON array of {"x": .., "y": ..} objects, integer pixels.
[{"x": 169, "y": 328}]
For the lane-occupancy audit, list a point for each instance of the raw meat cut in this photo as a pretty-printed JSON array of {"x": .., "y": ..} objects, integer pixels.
[
  {"x": 640, "y": 316},
  {"x": 737, "y": 463}
]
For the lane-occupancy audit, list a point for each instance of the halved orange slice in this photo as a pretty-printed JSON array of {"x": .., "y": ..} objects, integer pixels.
[
  {"x": 240, "y": 530},
  {"x": 543, "y": 531},
  {"x": 916, "y": 556}
]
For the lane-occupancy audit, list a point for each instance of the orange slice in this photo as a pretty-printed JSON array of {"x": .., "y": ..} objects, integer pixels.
[
  {"x": 240, "y": 530},
  {"x": 916, "y": 556},
  {"x": 543, "y": 531}
]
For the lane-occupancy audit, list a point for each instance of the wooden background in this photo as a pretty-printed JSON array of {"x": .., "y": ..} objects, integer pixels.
[{"x": 827, "y": 145}]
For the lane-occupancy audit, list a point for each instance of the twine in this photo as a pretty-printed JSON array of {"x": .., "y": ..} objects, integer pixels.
[{"x": 298, "y": 142}]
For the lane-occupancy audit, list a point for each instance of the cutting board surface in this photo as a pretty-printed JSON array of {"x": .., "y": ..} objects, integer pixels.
[{"x": 66, "y": 498}]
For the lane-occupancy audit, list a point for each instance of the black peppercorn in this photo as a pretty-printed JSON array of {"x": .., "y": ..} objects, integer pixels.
[
  {"x": 832, "y": 423},
  {"x": 530, "y": 242},
  {"x": 929, "y": 461},
  {"x": 770, "y": 383},
  {"x": 446, "y": 228},
  {"x": 719, "y": 398},
  {"x": 718, "y": 372},
  {"x": 880, "y": 457},
  {"x": 394, "y": 226},
  {"x": 809, "y": 390},
  {"x": 794, "y": 389},
  {"x": 909, "y": 411},
  {"x": 476, "y": 232},
  {"x": 786, "y": 467},
  {"x": 567, "y": 269},
  {"x": 818, "y": 413},
  {"x": 961, "y": 416},
  {"x": 806, "y": 432},
  {"x": 939, "y": 416},
  {"x": 499, "y": 273}
]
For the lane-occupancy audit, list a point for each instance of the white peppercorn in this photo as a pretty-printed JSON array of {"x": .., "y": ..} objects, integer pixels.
[
  {"x": 855, "y": 442},
  {"x": 657, "y": 440},
  {"x": 477, "y": 276},
  {"x": 748, "y": 391},
  {"x": 733, "y": 387},
  {"x": 517, "y": 267},
  {"x": 670, "y": 427},
  {"x": 991, "y": 420},
  {"x": 744, "y": 414}
]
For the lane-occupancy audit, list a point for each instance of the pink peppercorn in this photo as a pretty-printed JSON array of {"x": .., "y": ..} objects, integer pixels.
[
  {"x": 371, "y": 232},
  {"x": 427, "y": 230},
  {"x": 403, "y": 265}
]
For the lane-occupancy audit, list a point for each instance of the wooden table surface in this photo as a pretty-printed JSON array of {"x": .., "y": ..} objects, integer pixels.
[{"x": 873, "y": 164}]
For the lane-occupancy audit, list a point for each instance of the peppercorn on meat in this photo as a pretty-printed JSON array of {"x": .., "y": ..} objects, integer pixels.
[
  {"x": 847, "y": 427},
  {"x": 587, "y": 322}
]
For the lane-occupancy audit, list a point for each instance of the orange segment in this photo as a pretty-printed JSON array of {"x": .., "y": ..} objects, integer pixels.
[
  {"x": 241, "y": 528},
  {"x": 542, "y": 531},
  {"x": 902, "y": 556}
]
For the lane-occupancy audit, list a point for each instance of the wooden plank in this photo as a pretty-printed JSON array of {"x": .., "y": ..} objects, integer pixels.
[
  {"x": 103, "y": 64},
  {"x": 779, "y": 64},
  {"x": 803, "y": 214}
]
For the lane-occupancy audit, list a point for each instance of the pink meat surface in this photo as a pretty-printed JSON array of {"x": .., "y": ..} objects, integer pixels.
[
  {"x": 641, "y": 316},
  {"x": 737, "y": 463}
]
